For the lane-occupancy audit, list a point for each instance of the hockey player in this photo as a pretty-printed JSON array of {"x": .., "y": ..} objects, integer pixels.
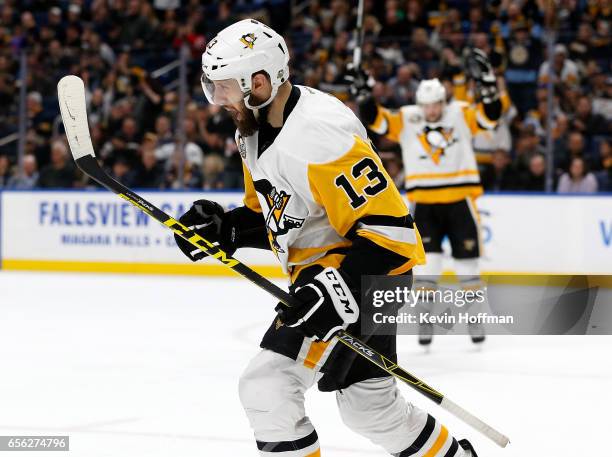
[
  {"x": 318, "y": 196},
  {"x": 441, "y": 176}
]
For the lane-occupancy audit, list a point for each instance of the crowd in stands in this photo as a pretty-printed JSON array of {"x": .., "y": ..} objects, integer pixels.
[{"x": 116, "y": 46}]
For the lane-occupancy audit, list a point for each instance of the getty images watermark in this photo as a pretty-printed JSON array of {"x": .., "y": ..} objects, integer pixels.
[
  {"x": 502, "y": 304},
  {"x": 406, "y": 299}
]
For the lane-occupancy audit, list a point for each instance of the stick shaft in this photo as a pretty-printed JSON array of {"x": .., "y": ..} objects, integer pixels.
[
  {"x": 358, "y": 36},
  {"x": 474, "y": 422}
]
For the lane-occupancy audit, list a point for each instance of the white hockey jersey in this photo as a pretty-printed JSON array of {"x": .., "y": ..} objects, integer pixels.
[
  {"x": 320, "y": 179},
  {"x": 439, "y": 162}
]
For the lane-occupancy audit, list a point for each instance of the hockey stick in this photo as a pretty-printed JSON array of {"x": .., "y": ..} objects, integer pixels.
[
  {"x": 71, "y": 94},
  {"x": 358, "y": 36}
]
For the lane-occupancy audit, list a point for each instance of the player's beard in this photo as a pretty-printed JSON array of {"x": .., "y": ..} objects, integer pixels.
[{"x": 244, "y": 119}]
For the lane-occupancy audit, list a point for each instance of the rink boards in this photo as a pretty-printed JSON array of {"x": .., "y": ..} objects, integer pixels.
[{"x": 95, "y": 231}]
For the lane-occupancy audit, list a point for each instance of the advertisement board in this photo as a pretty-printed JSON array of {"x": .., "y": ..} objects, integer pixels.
[{"x": 97, "y": 231}]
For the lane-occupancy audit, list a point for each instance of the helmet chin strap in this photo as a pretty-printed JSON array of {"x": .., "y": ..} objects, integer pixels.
[{"x": 266, "y": 103}]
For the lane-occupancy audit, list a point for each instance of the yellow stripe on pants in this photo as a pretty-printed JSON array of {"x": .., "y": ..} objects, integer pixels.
[{"x": 438, "y": 444}]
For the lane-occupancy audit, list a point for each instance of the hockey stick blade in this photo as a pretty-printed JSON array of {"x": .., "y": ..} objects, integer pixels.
[{"x": 71, "y": 94}]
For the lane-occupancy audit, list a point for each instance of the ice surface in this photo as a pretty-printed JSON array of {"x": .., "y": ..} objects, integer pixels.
[{"x": 148, "y": 366}]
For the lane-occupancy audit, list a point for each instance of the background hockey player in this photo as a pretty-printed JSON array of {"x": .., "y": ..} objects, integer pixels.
[
  {"x": 442, "y": 180},
  {"x": 317, "y": 195}
]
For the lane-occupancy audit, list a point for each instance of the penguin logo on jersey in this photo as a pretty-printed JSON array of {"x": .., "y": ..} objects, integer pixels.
[
  {"x": 278, "y": 222},
  {"x": 248, "y": 40},
  {"x": 436, "y": 140}
]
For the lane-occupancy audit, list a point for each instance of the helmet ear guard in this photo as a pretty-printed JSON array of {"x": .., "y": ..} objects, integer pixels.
[{"x": 238, "y": 52}]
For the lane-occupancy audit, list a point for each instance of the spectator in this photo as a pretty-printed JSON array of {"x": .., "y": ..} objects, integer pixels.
[
  {"x": 122, "y": 171},
  {"x": 604, "y": 167},
  {"x": 524, "y": 57},
  {"x": 587, "y": 122},
  {"x": 534, "y": 179},
  {"x": 420, "y": 51},
  {"x": 98, "y": 107},
  {"x": 39, "y": 119},
  {"x": 30, "y": 176},
  {"x": 577, "y": 180},
  {"x": 602, "y": 102},
  {"x": 5, "y": 171},
  {"x": 564, "y": 70},
  {"x": 136, "y": 28},
  {"x": 574, "y": 147},
  {"x": 165, "y": 140},
  {"x": 415, "y": 15},
  {"x": 394, "y": 23},
  {"x": 393, "y": 164},
  {"x": 525, "y": 147},
  {"x": 580, "y": 48},
  {"x": 150, "y": 173},
  {"x": 192, "y": 175},
  {"x": 59, "y": 173},
  {"x": 213, "y": 172},
  {"x": 404, "y": 85},
  {"x": 499, "y": 174},
  {"x": 117, "y": 46}
]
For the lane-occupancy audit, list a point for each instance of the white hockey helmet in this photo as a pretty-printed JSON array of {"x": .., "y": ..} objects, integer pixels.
[
  {"x": 430, "y": 91},
  {"x": 238, "y": 51}
]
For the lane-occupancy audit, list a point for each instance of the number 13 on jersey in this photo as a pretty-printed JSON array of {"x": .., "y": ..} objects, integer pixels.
[{"x": 377, "y": 182}]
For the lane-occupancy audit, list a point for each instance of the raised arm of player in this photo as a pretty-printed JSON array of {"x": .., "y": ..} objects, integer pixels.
[
  {"x": 490, "y": 102},
  {"x": 378, "y": 119}
]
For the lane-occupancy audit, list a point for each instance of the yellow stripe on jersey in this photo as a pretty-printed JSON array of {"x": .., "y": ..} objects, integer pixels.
[
  {"x": 444, "y": 195},
  {"x": 297, "y": 255},
  {"x": 388, "y": 123},
  {"x": 476, "y": 118},
  {"x": 460, "y": 91},
  {"x": 505, "y": 101},
  {"x": 418, "y": 253},
  {"x": 484, "y": 123},
  {"x": 443, "y": 175},
  {"x": 483, "y": 158},
  {"x": 357, "y": 185},
  {"x": 250, "y": 195},
  {"x": 475, "y": 114},
  {"x": 330, "y": 260}
]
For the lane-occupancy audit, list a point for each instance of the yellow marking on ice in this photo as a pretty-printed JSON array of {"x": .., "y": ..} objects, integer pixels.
[{"x": 199, "y": 269}]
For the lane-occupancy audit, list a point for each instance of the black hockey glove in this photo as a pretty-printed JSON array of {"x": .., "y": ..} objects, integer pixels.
[
  {"x": 360, "y": 83},
  {"x": 208, "y": 219},
  {"x": 327, "y": 305},
  {"x": 480, "y": 70}
]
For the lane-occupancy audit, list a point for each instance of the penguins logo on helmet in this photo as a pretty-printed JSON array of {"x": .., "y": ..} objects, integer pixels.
[{"x": 248, "y": 40}]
